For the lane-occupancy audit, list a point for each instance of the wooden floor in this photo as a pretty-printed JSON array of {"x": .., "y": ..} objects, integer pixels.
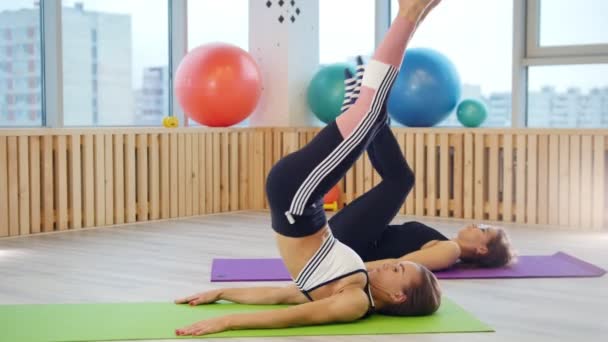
[{"x": 164, "y": 260}]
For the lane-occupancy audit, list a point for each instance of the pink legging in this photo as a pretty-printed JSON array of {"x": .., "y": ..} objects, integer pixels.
[{"x": 389, "y": 53}]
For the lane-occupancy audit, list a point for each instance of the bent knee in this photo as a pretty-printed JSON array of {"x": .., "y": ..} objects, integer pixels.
[{"x": 405, "y": 180}]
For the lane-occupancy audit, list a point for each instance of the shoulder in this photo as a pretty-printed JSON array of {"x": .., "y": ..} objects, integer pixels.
[
  {"x": 447, "y": 245},
  {"x": 416, "y": 227},
  {"x": 350, "y": 304}
]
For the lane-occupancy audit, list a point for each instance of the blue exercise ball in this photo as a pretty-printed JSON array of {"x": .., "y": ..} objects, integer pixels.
[{"x": 427, "y": 89}]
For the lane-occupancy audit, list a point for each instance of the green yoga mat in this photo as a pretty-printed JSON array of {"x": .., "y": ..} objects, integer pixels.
[{"x": 139, "y": 321}]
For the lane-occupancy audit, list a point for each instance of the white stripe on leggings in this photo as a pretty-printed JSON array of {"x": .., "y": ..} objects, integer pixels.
[{"x": 345, "y": 147}]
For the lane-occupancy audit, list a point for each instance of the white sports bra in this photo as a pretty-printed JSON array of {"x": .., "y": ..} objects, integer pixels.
[{"x": 332, "y": 261}]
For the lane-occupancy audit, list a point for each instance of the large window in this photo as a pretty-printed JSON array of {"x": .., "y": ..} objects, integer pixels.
[
  {"x": 115, "y": 58},
  {"x": 20, "y": 64},
  {"x": 567, "y": 96},
  {"x": 477, "y": 39},
  {"x": 567, "y": 22},
  {"x": 218, "y": 21},
  {"x": 567, "y": 49},
  {"x": 346, "y": 29}
]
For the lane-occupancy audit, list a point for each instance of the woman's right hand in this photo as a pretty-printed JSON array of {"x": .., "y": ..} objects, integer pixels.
[{"x": 200, "y": 298}]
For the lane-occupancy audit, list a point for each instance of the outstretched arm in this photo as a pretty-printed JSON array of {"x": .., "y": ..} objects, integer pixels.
[
  {"x": 248, "y": 295},
  {"x": 438, "y": 256},
  {"x": 347, "y": 306}
]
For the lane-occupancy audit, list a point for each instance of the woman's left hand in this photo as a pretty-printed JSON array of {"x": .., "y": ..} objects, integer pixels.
[{"x": 208, "y": 326}]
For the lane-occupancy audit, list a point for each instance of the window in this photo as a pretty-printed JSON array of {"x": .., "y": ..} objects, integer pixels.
[
  {"x": 108, "y": 45},
  {"x": 31, "y": 32},
  {"x": 567, "y": 49},
  {"x": 567, "y": 96},
  {"x": 218, "y": 21},
  {"x": 16, "y": 51},
  {"x": 566, "y": 22},
  {"x": 346, "y": 29},
  {"x": 477, "y": 38}
]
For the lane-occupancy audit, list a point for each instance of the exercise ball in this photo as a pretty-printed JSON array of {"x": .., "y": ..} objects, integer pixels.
[
  {"x": 218, "y": 84},
  {"x": 326, "y": 91},
  {"x": 471, "y": 113},
  {"x": 426, "y": 90}
]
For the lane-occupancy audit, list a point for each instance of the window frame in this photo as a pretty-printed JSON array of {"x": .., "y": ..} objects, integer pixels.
[
  {"x": 527, "y": 52},
  {"x": 52, "y": 59},
  {"x": 42, "y": 55},
  {"x": 583, "y": 52},
  {"x": 529, "y": 15}
]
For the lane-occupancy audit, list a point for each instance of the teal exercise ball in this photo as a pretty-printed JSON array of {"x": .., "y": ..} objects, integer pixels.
[
  {"x": 326, "y": 91},
  {"x": 427, "y": 89},
  {"x": 471, "y": 113}
]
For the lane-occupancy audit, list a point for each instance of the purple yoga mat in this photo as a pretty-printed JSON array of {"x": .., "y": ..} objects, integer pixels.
[{"x": 558, "y": 265}]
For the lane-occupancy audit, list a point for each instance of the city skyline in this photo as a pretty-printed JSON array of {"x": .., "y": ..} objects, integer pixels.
[
  {"x": 491, "y": 30},
  {"x": 490, "y": 79}
]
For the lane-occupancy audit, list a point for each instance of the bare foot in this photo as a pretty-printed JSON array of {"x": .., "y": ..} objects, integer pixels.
[
  {"x": 416, "y": 10},
  {"x": 426, "y": 11}
]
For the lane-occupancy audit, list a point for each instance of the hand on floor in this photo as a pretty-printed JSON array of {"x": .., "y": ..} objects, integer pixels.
[
  {"x": 200, "y": 298},
  {"x": 208, "y": 326}
]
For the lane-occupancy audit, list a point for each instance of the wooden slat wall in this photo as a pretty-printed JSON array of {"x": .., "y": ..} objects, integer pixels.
[
  {"x": 173, "y": 177},
  {"x": 130, "y": 179},
  {"x": 431, "y": 175},
  {"x": 88, "y": 181},
  {"x": 4, "y": 213},
  {"x": 13, "y": 187},
  {"x": 196, "y": 196},
  {"x": 69, "y": 179},
  {"x": 532, "y": 179},
  {"x": 444, "y": 174},
  {"x": 507, "y": 178},
  {"x": 458, "y": 169},
  {"x": 187, "y": 174},
  {"x": 154, "y": 176},
  {"x": 34, "y": 156},
  {"x": 24, "y": 186},
  {"x": 479, "y": 177},
  {"x": 493, "y": 175},
  {"x": 109, "y": 178},
  {"x": 468, "y": 176},
  {"x": 98, "y": 178},
  {"x": 543, "y": 179},
  {"x": 75, "y": 181},
  {"x": 520, "y": 179},
  {"x": 119, "y": 179},
  {"x": 553, "y": 179}
]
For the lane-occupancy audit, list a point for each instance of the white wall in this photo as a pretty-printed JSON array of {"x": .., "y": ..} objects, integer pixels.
[{"x": 288, "y": 56}]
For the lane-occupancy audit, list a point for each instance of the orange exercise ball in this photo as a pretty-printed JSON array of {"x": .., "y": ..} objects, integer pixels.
[
  {"x": 332, "y": 195},
  {"x": 218, "y": 84}
]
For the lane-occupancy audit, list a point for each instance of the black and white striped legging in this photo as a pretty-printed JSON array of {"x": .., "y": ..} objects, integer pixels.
[{"x": 297, "y": 183}]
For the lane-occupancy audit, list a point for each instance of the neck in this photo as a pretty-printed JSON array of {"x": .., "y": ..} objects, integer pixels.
[
  {"x": 458, "y": 242},
  {"x": 378, "y": 295},
  {"x": 464, "y": 252}
]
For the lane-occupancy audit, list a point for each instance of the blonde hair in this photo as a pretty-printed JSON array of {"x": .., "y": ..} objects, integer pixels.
[{"x": 421, "y": 300}]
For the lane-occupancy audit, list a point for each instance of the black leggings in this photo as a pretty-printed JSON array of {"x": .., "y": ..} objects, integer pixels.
[
  {"x": 296, "y": 184},
  {"x": 363, "y": 221}
]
